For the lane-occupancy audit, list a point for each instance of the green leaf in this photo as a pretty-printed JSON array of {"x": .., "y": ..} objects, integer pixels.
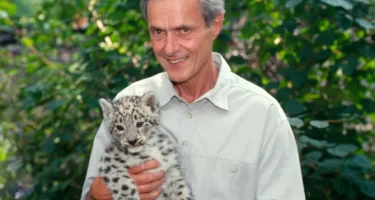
[
  {"x": 298, "y": 78},
  {"x": 342, "y": 150},
  {"x": 305, "y": 53},
  {"x": 316, "y": 143},
  {"x": 368, "y": 188},
  {"x": 27, "y": 41},
  {"x": 3, "y": 153},
  {"x": 283, "y": 94},
  {"x": 339, "y": 3},
  {"x": 365, "y": 23},
  {"x": 292, "y": 3},
  {"x": 14, "y": 165},
  {"x": 344, "y": 21},
  {"x": 341, "y": 185},
  {"x": 323, "y": 55},
  {"x": 10, "y": 8},
  {"x": 296, "y": 122},
  {"x": 367, "y": 52},
  {"x": 347, "y": 69},
  {"x": 330, "y": 165},
  {"x": 224, "y": 37},
  {"x": 368, "y": 105},
  {"x": 52, "y": 105},
  {"x": 362, "y": 1},
  {"x": 271, "y": 85},
  {"x": 326, "y": 38},
  {"x": 352, "y": 175},
  {"x": 314, "y": 155},
  {"x": 361, "y": 161},
  {"x": 49, "y": 144},
  {"x": 319, "y": 124},
  {"x": 291, "y": 25},
  {"x": 294, "y": 107},
  {"x": 350, "y": 65},
  {"x": 66, "y": 183}
]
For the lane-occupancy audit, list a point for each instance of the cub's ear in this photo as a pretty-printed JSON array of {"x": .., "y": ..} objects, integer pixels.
[
  {"x": 150, "y": 101},
  {"x": 107, "y": 108}
]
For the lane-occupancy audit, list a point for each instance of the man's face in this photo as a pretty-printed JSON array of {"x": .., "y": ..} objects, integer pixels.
[{"x": 180, "y": 39}]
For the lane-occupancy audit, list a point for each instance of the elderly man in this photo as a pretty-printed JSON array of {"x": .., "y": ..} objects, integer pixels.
[{"x": 234, "y": 139}]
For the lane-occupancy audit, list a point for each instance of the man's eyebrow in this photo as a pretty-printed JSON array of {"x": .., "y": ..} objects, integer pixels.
[
  {"x": 174, "y": 28},
  {"x": 155, "y": 28},
  {"x": 182, "y": 26}
]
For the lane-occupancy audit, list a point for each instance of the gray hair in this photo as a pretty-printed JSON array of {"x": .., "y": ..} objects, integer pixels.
[{"x": 210, "y": 9}]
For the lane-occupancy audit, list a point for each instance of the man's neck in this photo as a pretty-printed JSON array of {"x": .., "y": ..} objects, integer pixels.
[{"x": 199, "y": 85}]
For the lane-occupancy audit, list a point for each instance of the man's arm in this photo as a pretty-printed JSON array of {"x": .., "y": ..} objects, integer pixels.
[
  {"x": 101, "y": 140},
  {"x": 279, "y": 172}
]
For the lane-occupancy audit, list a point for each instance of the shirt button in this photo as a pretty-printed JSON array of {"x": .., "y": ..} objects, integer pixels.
[
  {"x": 184, "y": 143},
  {"x": 233, "y": 171},
  {"x": 188, "y": 115}
]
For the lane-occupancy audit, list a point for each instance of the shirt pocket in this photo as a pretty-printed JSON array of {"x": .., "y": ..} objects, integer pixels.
[{"x": 230, "y": 180}]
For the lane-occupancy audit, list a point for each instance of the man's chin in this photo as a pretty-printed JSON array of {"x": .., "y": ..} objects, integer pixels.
[{"x": 178, "y": 80}]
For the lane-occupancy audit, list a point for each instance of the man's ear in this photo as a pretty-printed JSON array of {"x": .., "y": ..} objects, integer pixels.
[
  {"x": 107, "y": 109},
  {"x": 217, "y": 25}
]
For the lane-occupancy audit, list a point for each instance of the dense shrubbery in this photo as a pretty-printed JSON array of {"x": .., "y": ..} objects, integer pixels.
[{"x": 317, "y": 57}]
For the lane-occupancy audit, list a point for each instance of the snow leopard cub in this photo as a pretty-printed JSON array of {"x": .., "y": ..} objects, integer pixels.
[{"x": 133, "y": 122}]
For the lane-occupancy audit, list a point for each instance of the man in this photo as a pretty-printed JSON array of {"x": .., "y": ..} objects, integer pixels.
[{"x": 234, "y": 139}]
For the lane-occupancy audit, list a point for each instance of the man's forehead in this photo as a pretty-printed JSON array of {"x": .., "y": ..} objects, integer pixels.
[{"x": 174, "y": 13}]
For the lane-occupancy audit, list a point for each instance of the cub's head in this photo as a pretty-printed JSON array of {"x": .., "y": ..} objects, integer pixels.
[{"x": 131, "y": 119}]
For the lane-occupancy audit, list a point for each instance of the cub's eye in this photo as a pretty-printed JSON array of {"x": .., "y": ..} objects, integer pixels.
[
  {"x": 139, "y": 124},
  {"x": 119, "y": 127}
]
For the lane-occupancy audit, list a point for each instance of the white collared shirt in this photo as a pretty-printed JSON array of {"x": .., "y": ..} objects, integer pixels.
[{"x": 235, "y": 141}]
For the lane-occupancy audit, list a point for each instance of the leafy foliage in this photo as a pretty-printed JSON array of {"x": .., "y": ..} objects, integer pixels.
[{"x": 317, "y": 57}]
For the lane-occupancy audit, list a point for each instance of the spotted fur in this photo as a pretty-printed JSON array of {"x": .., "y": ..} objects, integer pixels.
[{"x": 133, "y": 122}]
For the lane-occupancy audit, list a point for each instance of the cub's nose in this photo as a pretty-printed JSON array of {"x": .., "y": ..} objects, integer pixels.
[{"x": 132, "y": 142}]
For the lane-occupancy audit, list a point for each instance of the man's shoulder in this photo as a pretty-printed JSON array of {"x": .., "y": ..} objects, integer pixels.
[
  {"x": 139, "y": 87},
  {"x": 250, "y": 89},
  {"x": 256, "y": 94}
]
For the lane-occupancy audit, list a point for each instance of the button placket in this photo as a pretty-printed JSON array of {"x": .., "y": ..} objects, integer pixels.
[
  {"x": 188, "y": 115},
  {"x": 189, "y": 124},
  {"x": 186, "y": 133}
]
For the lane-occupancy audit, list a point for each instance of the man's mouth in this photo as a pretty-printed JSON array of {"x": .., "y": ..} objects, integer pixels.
[{"x": 177, "y": 60}]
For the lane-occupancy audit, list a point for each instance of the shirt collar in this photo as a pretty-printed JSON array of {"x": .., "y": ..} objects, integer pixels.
[
  {"x": 167, "y": 91},
  {"x": 217, "y": 95}
]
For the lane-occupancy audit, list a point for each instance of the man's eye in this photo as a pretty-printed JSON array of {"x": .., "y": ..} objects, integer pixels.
[
  {"x": 185, "y": 30},
  {"x": 157, "y": 32},
  {"x": 139, "y": 124},
  {"x": 119, "y": 127}
]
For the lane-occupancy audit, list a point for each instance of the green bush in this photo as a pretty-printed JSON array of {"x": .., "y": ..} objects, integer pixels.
[{"x": 317, "y": 57}]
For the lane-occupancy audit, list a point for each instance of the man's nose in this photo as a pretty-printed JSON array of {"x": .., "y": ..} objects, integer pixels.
[{"x": 171, "y": 45}]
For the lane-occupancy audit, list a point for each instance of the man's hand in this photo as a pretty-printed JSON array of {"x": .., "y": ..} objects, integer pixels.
[
  {"x": 98, "y": 190},
  {"x": 148, "y": 183}
]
